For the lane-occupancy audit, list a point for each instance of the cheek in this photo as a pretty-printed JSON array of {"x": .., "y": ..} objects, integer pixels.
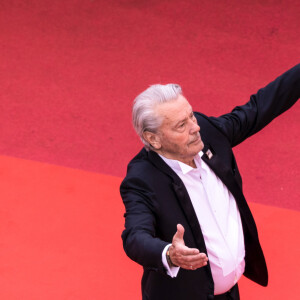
[
  {"x": 182, "y": 142},
  {"x": 176, "y": 141},
  {"x": 186, "y": 139}
]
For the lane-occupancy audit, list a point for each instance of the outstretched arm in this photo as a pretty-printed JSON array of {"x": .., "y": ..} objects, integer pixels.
[{"x": 269, "y": 102}]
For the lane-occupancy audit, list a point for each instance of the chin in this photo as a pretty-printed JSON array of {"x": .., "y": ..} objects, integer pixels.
[{"x": 199, "y": 147}]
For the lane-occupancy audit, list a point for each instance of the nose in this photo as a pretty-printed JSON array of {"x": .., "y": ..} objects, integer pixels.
[{"x": 195, "y": 127}]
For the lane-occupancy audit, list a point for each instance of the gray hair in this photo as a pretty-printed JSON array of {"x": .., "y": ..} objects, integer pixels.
[{"x": 143, "y": 114}]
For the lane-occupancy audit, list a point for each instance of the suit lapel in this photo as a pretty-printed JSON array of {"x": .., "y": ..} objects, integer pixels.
[
  {"x": 227, "y": 177},
  {"x": 183, "y": 199},
  {"x": 223, "y": 171}
]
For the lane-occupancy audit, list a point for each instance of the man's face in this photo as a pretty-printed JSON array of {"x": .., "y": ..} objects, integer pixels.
[{"x": 178, "y": 137}]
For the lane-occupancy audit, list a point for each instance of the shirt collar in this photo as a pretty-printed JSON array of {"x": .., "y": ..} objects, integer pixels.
[{"x": 177, "y": 165}]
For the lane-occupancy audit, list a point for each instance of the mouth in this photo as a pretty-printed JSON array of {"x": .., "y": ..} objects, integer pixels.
[{"x": 196, "y": 140}]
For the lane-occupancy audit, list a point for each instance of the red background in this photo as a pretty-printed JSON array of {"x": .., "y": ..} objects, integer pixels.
[{"x": 69, "y": 72}]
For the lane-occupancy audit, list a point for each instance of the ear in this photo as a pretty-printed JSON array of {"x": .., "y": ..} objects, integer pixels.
[{"x": 153, "y": 139}]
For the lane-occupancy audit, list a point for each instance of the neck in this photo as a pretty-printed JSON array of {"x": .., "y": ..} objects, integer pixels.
[{"x": 189, "y": 162}]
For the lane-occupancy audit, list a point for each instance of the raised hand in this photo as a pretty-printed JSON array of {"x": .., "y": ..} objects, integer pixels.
[{"x": 183, "y": 256}]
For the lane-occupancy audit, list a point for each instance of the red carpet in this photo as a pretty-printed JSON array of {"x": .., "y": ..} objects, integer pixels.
[
  {"x": 60, "y": 238},
  {"x": 68, "y": 74}
]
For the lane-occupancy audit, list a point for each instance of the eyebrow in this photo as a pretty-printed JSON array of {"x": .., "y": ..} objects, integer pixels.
[{"x": 183, "y": 120}]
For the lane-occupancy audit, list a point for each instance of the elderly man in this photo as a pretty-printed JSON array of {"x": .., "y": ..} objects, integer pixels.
[{"x": 187, "y": 221}]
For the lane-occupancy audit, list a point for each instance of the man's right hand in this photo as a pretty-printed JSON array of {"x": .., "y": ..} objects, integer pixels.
[{"x": 183, "y": 256}]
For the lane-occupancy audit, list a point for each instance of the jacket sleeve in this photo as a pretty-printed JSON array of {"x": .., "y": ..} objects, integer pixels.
[
  {"x": 269, "y": 102},
  {"x": 140, "y": 240}
]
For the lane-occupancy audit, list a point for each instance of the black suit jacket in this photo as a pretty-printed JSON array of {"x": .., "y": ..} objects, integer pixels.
[{"x": 156, "y": 199}]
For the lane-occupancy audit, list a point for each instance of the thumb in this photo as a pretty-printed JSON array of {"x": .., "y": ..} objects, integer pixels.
[{"x": 178, "y": 236}]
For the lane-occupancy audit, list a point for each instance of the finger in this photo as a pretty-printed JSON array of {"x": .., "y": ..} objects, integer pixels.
[
  {"x": 201, "y": 257},
  {"x": 199, "y": 264},
  {"x": 197, "y": 260},
  {"x": 185, "y": 251},
  {"x": 179, "y": 252},
  {"x": 193, "y": 266},
  {"x": 191, "y": 260},
  {"x": 179, "y": 233}
]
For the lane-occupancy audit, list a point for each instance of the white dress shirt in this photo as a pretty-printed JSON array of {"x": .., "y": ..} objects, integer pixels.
[{"x": 219, "y": 219}]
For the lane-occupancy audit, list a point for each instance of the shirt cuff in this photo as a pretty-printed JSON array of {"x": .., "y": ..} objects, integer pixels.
[{"x": 171, "y": 271}]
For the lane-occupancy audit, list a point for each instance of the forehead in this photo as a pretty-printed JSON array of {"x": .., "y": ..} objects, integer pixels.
[{"x": 174, "y": 111}]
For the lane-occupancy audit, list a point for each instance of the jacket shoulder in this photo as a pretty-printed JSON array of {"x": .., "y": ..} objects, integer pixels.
[{"x": 141, "y": 170}]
